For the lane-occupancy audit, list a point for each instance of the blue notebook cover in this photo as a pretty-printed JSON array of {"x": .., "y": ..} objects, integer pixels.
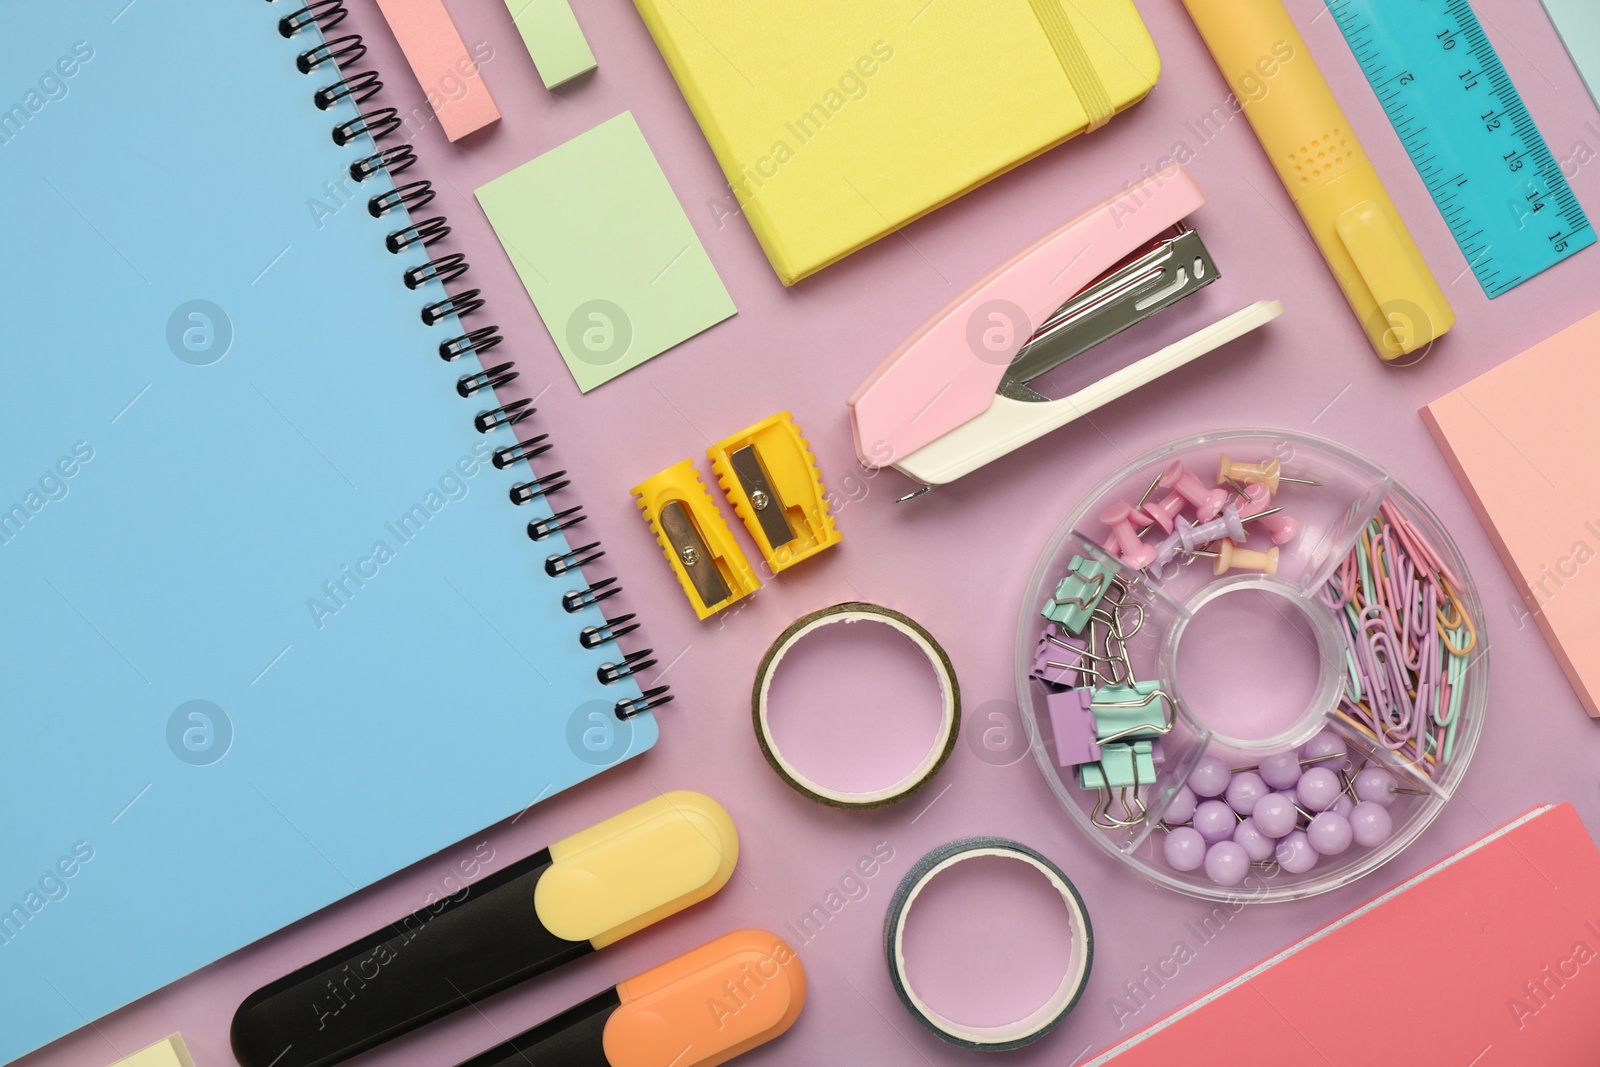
[{"x": 274, "y": 629}]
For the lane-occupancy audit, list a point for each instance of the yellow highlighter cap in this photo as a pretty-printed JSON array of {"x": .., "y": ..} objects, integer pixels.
[
  {"x": 1410, "y": 312},
  {"x": 633, "y": 869}
]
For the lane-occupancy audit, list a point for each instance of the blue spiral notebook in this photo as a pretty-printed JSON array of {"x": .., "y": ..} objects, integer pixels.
[{"x": 274, "y": 628}]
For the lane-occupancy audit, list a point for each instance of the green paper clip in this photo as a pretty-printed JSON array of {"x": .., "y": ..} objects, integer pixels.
[
  {"x": 1078, "y": 594},
  {"x": 1137, "y": 710}
]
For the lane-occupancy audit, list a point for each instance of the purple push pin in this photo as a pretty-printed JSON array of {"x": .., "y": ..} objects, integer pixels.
[
  {"x": 1317, "y": 789},
  {"x": 1329, "y": 833},
  {"x": 1184, "y": 848},
  {"x": 1229, "y": 526},
  {"x": 1295, "y": 854},
  {"x": 1281, "y": 770},
  {"x": 1180, "y": 809},
  {"x": 1207, "y": 502},
  {"x": 1214, "y": 820},
  {"x": 1328, "y": 750},
  {"x": 1370, "y": 824},
  {"x": 1227, "y": 863},
  {"x": 1257, "y": 845},
  {"x": 1244, "y": 790},
  {"x": 1210, "y": 776},
  {"x": 1167, "y": 550},
  {"x": 1376, "y": 785},
  {"x": 1275, "y": 815}
]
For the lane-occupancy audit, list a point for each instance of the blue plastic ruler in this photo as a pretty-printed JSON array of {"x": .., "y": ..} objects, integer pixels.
[{"x": 1468, "y": 134}]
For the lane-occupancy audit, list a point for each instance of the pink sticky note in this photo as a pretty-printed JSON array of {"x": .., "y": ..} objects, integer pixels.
[
  {"x": 1521, "y": 440},
  {"x": 1498, "y": 939},
  {"x": 439, "y": 58}
]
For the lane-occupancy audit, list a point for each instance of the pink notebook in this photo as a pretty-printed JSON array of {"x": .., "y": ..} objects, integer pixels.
[
  {"x": 1489, "y": 959},
  {"x": 1522, "y": 440}
]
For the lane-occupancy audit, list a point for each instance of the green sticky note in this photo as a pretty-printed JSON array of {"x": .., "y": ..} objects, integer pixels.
[
  {"x": 605, "y": 251},
  {"x": 1578, "y": 23},
  {"x": 554, "y": 39}
]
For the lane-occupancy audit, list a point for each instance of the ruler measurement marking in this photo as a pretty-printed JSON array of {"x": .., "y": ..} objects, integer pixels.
[{"x": 1484, "y": 130}]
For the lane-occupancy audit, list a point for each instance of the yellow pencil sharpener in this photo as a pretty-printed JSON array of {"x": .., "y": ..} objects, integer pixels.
[
  {"x": 709, "y": 564},
  {"x": 771, "y": 478}
]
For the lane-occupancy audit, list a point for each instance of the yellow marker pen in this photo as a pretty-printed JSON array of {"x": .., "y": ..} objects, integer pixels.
[
  {"x": 580, "y": 894},
  {"x": 1326, "y": 172}
]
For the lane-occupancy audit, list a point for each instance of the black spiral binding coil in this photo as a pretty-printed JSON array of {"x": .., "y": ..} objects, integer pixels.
[{"x": 379, "y": 123}]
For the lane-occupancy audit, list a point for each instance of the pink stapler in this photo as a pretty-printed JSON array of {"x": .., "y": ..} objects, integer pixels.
[{"x": 955, "y": 395}]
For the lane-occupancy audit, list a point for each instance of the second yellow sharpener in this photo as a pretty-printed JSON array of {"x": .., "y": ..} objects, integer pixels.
[{"x": 771, "y": 479}]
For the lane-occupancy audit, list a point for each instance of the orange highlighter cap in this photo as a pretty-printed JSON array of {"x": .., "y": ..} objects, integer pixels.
[{"x": 708, "y": 1005}]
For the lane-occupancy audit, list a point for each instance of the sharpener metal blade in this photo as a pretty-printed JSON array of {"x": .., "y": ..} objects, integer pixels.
[
  {"x": 1129, "y": 293},
  {"x": 764, "y": 499},
  {"x": 692, "y": 553}
]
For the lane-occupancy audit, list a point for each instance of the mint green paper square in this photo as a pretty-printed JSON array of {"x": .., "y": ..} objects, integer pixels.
[
  {"x": 554, "y": 39},
  {"x": 605, "y": 251},
  {"x": 1578, "y": 23}
]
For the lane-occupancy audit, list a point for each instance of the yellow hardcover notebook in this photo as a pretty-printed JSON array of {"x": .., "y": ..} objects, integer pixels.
[{"x": 838, "y": 121}]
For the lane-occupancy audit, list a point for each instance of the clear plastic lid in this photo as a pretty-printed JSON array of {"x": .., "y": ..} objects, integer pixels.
[{"x": 1247, "y": 665}]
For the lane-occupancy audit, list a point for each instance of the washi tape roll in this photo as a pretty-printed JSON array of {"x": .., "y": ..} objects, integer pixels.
[
  {"x": 949, "y": 691},
  {"x": 1037, "y": 1022}
]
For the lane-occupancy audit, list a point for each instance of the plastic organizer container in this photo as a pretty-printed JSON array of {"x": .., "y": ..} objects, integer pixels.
[{"x": 1271, "y": 718}]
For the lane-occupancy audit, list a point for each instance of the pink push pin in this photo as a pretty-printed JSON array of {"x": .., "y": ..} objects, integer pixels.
[
  {"x": 1228, "y": 525},
  {"x": 1120, "y": 517},
  {"x": 1207, "y": 502},
  {"x": 1165, "y": 511},
  {"x": 1280, "y": 527},
  {"x": 1267, "y": 474},
  {"x": 1244, "y": 559}
]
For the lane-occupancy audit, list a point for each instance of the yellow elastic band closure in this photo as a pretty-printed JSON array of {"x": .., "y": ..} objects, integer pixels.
[{"x": 1074, "y": 61}]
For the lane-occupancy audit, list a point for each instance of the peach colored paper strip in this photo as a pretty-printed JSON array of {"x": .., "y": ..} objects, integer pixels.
[
  {"x": 440, "y": 60},
  {"x": 1521, "y": 440}
]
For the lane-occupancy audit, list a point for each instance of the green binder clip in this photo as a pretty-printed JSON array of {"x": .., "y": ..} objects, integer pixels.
[
  {"x": 1078, "y": 594},
  {"x": 1123, "y": 768},
  {"x": 1133, "y": 709}
]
